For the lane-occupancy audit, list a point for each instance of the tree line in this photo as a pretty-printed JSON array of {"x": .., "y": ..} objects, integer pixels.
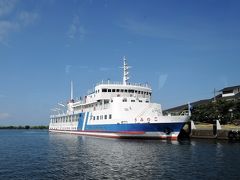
[
  {"x": 223, "y": 110},
  {"x": 24, "y": 127}
]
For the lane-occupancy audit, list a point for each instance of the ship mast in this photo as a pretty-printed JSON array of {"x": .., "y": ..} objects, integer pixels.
[
  {"x": 125, "y": 71},
  {"x": 71, "y": 98}
]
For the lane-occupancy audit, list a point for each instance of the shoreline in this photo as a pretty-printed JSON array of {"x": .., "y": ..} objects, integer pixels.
[{"x": 24, "y": 127}]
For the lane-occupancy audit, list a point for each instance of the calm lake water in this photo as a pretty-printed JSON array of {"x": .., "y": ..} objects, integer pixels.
[{"x": 38, "y": 154}]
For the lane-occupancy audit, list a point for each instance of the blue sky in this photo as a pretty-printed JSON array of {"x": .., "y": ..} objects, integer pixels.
[{"x": 184, "y": 49}]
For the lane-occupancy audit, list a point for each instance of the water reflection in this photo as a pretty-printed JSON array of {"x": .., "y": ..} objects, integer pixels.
[
  {"x": 117, "y": 158},
  {"x": 43, "y": 155}
]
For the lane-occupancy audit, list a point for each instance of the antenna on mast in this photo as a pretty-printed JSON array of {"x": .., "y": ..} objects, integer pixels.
[{"x": 125, "y": 71}]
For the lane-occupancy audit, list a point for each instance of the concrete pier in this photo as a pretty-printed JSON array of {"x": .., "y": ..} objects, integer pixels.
[{"x": 216, "y": 132}]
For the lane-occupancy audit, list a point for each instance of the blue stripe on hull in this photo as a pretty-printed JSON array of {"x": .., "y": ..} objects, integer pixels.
[
  {"x": 146, "y": 127},
  {"x": 80, "y": 121}
]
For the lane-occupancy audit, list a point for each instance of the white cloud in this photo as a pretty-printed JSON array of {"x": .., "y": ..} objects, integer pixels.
[
  {"x": 143, "y": 28},
  {"x": 104, "y": 69},
  {"x": 6, "y": 27},
  {"x": 76, "y": 30},
  {"x": 163, "y": 30},
  {"x": 13, "y": 19},
  {"x": 72, "y": 68},
  {"x": 83, "y": 67},
  {"x": 4, "y": 116},
  {"x": 27, "y": 18},
  {"x": 7, "y": 6},
  {"x": 67, "y": 69},
  {"x": 162, "y": 79}
]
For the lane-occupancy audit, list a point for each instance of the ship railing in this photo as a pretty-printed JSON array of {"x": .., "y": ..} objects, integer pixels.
[
  {"x": 58, "y": 115},
  {"x": 121, "y": 83}
]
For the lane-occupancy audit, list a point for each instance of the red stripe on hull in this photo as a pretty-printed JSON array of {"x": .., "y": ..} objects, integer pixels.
[{"x": 117, "y": 136}]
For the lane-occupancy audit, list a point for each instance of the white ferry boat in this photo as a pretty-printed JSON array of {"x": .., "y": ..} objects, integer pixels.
[{"x": 117, "y": 110}]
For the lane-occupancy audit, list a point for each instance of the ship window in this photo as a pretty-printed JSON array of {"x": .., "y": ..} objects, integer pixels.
[
  {"x": 125, "y": 90},
  {"x": 110, "y": 116},
  {"x": 138, "y": 92},
  {"x": 124, "y": 100},
  {"x": 109, "y": 90},
  {"x": 118, "y": 90},
  {"x": 104, "y": 90},
  {"x": 147, "y": 101},
  {"x": 131, "y": 91},
  {"x": 101, "y": 117},
  {"x": 121, "y": 90},
  {"x": 132, "y": 100},
  {"x": 135, "y": 91},
  {"x": 147, "y": 93},
  {"x": 113, "y": 90},
  {"x": 150, "y": 94},
  {"x": 93, "y": 117},
  {"x": 97, "y": 117},
  {"x": 105, "y": 117},
  {"x": 140, "y": 100}
]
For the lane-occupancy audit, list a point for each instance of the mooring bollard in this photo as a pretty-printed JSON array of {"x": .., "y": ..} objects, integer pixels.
[
  {"x": 191, "y": 126},
  {"x": 216, "y": 127}
]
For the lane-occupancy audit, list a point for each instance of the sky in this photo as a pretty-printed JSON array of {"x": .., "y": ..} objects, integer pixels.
[{"x": 183, "y": 49}]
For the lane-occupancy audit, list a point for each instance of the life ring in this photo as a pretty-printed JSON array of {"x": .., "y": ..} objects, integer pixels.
[
  {"x": 148, "y": 119},
  {"x": 141, "y": 119}
]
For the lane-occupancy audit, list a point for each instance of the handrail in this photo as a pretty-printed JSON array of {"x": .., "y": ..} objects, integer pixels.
[{"x": 121, "y": 83}]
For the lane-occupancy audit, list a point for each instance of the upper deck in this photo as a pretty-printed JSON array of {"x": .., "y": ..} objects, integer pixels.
[
  {"x": 108, "y": 90},
  {"x": 103, "y": 93}
]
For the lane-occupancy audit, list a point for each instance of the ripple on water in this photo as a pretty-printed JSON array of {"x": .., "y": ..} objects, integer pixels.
[{"x": 37, "y": 154}]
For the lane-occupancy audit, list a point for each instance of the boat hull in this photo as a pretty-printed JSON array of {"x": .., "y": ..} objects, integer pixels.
[{"x": 144, "y": 130}]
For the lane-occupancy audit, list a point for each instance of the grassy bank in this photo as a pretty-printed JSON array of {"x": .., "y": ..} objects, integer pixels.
[{"x": 210, "y": 126}]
